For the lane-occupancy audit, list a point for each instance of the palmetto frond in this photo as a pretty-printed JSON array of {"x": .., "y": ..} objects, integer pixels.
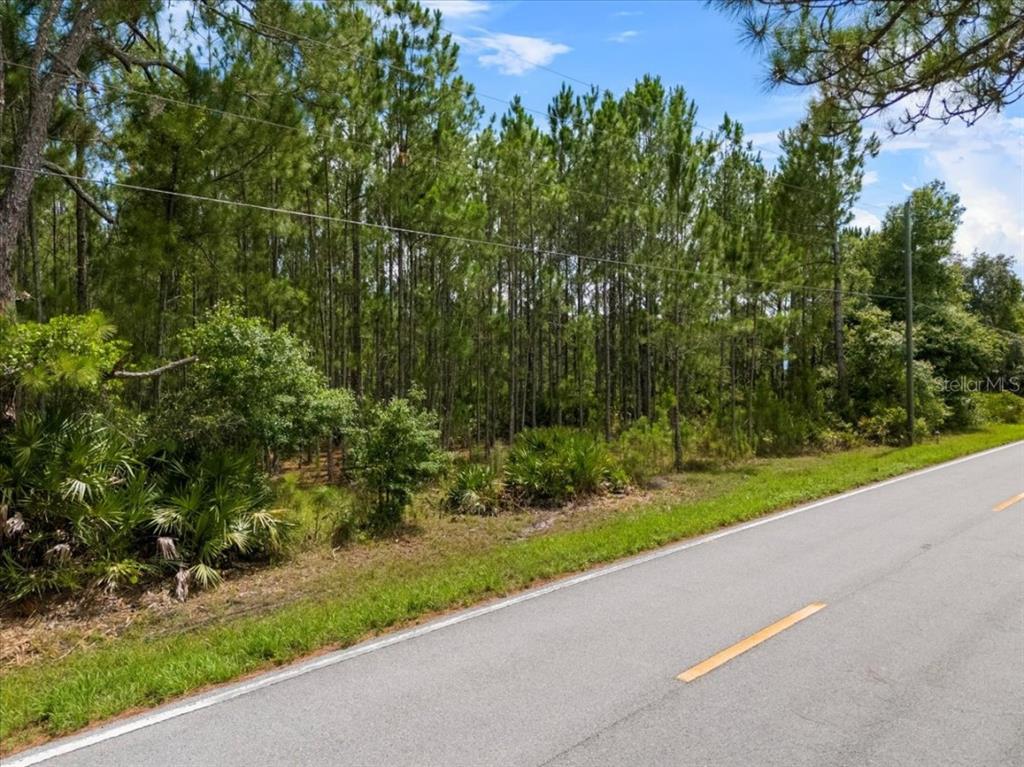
[
  {"x": 75, "y": 489},
  {"x": 204, "y": 575}
]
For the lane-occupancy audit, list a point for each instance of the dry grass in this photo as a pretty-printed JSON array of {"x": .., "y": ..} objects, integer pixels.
[{"x": 55, "y": 629}]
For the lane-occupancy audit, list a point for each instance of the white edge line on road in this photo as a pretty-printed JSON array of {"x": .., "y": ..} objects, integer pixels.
[{"x": 75, "y": 743}]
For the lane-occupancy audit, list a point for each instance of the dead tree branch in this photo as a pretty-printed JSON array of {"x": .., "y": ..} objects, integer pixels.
[{"x": 135, "y": 374}]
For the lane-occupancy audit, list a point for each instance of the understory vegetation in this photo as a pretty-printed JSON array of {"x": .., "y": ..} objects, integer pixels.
[
  {"x": 94, "y": 492},
  {"x": 99, "y": 493},
  {"x": 265, "y": 292}
]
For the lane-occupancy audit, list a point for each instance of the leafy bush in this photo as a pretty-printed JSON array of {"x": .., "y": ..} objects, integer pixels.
[
  {"x": 550, "y": 466},
  {"x": 332, "y": 413},
  {"x": 83, "y": 499},
  {"x": 79, "y": 506},
  {"x": 877, "y": 374},
  {"x": 75, "y": 496},
  {"x": 782, "y": 424},
  {"x": 393, "y": 452},
  {"x": 835, "y": 438},
  {"x": 964, "y": 412},
  {"x": 59, "y": 367},
  {"x": 888, "y": 426},
  {"x": 69, "y": 354},
  {"x": 475, "y": 489},
  {"x": 959, "y": 346},
  {"x": 1002, "y": 407},
  {"x": 252, "y": 387}
]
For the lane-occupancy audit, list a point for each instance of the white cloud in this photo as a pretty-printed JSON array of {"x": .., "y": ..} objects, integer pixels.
[
  {"x": 624, "y": 37},
  {"x": 623, "y": 14},
  {"x": 984, "y": 164},
  {"x": 457, "y": 9},
  {"x": 515, "y": 54},
  {"x": 870, "y": 177},
  {"x": 866, "y": 219}
]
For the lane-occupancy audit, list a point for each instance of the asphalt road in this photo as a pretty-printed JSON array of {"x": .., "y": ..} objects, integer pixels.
[{"x": 917, "y": 659}]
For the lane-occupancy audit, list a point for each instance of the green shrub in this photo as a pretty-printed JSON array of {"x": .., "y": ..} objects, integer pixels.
[
  {"x": 252, "y": 387},
  {"x": 81, "y": 505},
  {"x": 960, "y": 347},
  {"x": 216, "y": 510},
  {"x": 66, "y": 359},
  {"x": 83, "y": 498},
  {"x": 964, "y": 412},
  {"x": 475, "y": 489},
  {"x": 888, "y": 426},
  {"x": 782, "y": 425},
  {"x": 834, "y": 439},
  {"x": 877, "y": 375},
  {"x": 19, "y": 581},
  {"x": 644, "y": 450},
  {"x": 550, "y": 466},
  {"x": 75, "y": 503},
  {"x": 1002, "y": 407},
  {"x": 318, "y": 513},
  {"x": 394, "y": 451}
]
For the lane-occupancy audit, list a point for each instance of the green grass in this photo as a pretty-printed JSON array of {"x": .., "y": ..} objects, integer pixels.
[{"x": 54, "y": 698}]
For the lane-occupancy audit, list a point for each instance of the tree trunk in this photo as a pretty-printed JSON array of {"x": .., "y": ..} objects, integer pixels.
[
  {"x": 837, "y": 328},
  {"x": 677, "y": 439},
  {"x": 37, "y": 268},
  {"x": 356, "y": 319},
  {"x": 607, "y": 360},
  {"x": 677, "y": 434},
  {"x": 81, "y": 219},
  {"x": 33, "y": 138}
]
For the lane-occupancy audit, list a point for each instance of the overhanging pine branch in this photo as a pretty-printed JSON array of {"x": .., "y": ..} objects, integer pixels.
[
  {"x": 75, "y": 187},
  {"x": 128, "y": 61}
]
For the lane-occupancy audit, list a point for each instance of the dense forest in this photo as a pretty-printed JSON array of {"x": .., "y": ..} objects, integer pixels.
[{"x": 264, "y": 232}]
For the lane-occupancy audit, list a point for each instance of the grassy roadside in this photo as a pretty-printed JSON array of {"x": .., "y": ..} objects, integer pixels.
[{"x": 54, "y": 698}]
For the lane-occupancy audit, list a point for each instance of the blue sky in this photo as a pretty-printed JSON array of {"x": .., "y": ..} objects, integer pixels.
[{"x": 509, "y": 47}]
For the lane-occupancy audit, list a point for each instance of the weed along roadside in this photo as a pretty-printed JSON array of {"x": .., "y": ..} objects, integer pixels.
[{"x": 381, "y": 584}]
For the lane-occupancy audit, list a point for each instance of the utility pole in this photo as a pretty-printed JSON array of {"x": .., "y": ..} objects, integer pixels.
[{"x": 907, "y": 223}]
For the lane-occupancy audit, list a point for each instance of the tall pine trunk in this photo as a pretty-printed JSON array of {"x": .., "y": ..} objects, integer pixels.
[
  {"x": 81, "y": 219},
  {"x": 33, "y": 137},
  {"x": 843, "y": 385},
  {"x": 356, "y": 308}
]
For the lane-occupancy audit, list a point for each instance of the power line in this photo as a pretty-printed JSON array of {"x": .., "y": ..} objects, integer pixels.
[
  {"x": 233, "y": 18},
  {"x": 434, "y": 155},
  {"x": 167, "y": 99},
  {"x": 439, "y": 162},
  {"x": 255, "y": 24},
  {"x": 449, "y": 237}
]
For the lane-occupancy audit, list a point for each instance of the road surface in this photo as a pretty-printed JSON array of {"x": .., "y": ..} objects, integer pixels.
[{"x": 916, "y": 658}]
